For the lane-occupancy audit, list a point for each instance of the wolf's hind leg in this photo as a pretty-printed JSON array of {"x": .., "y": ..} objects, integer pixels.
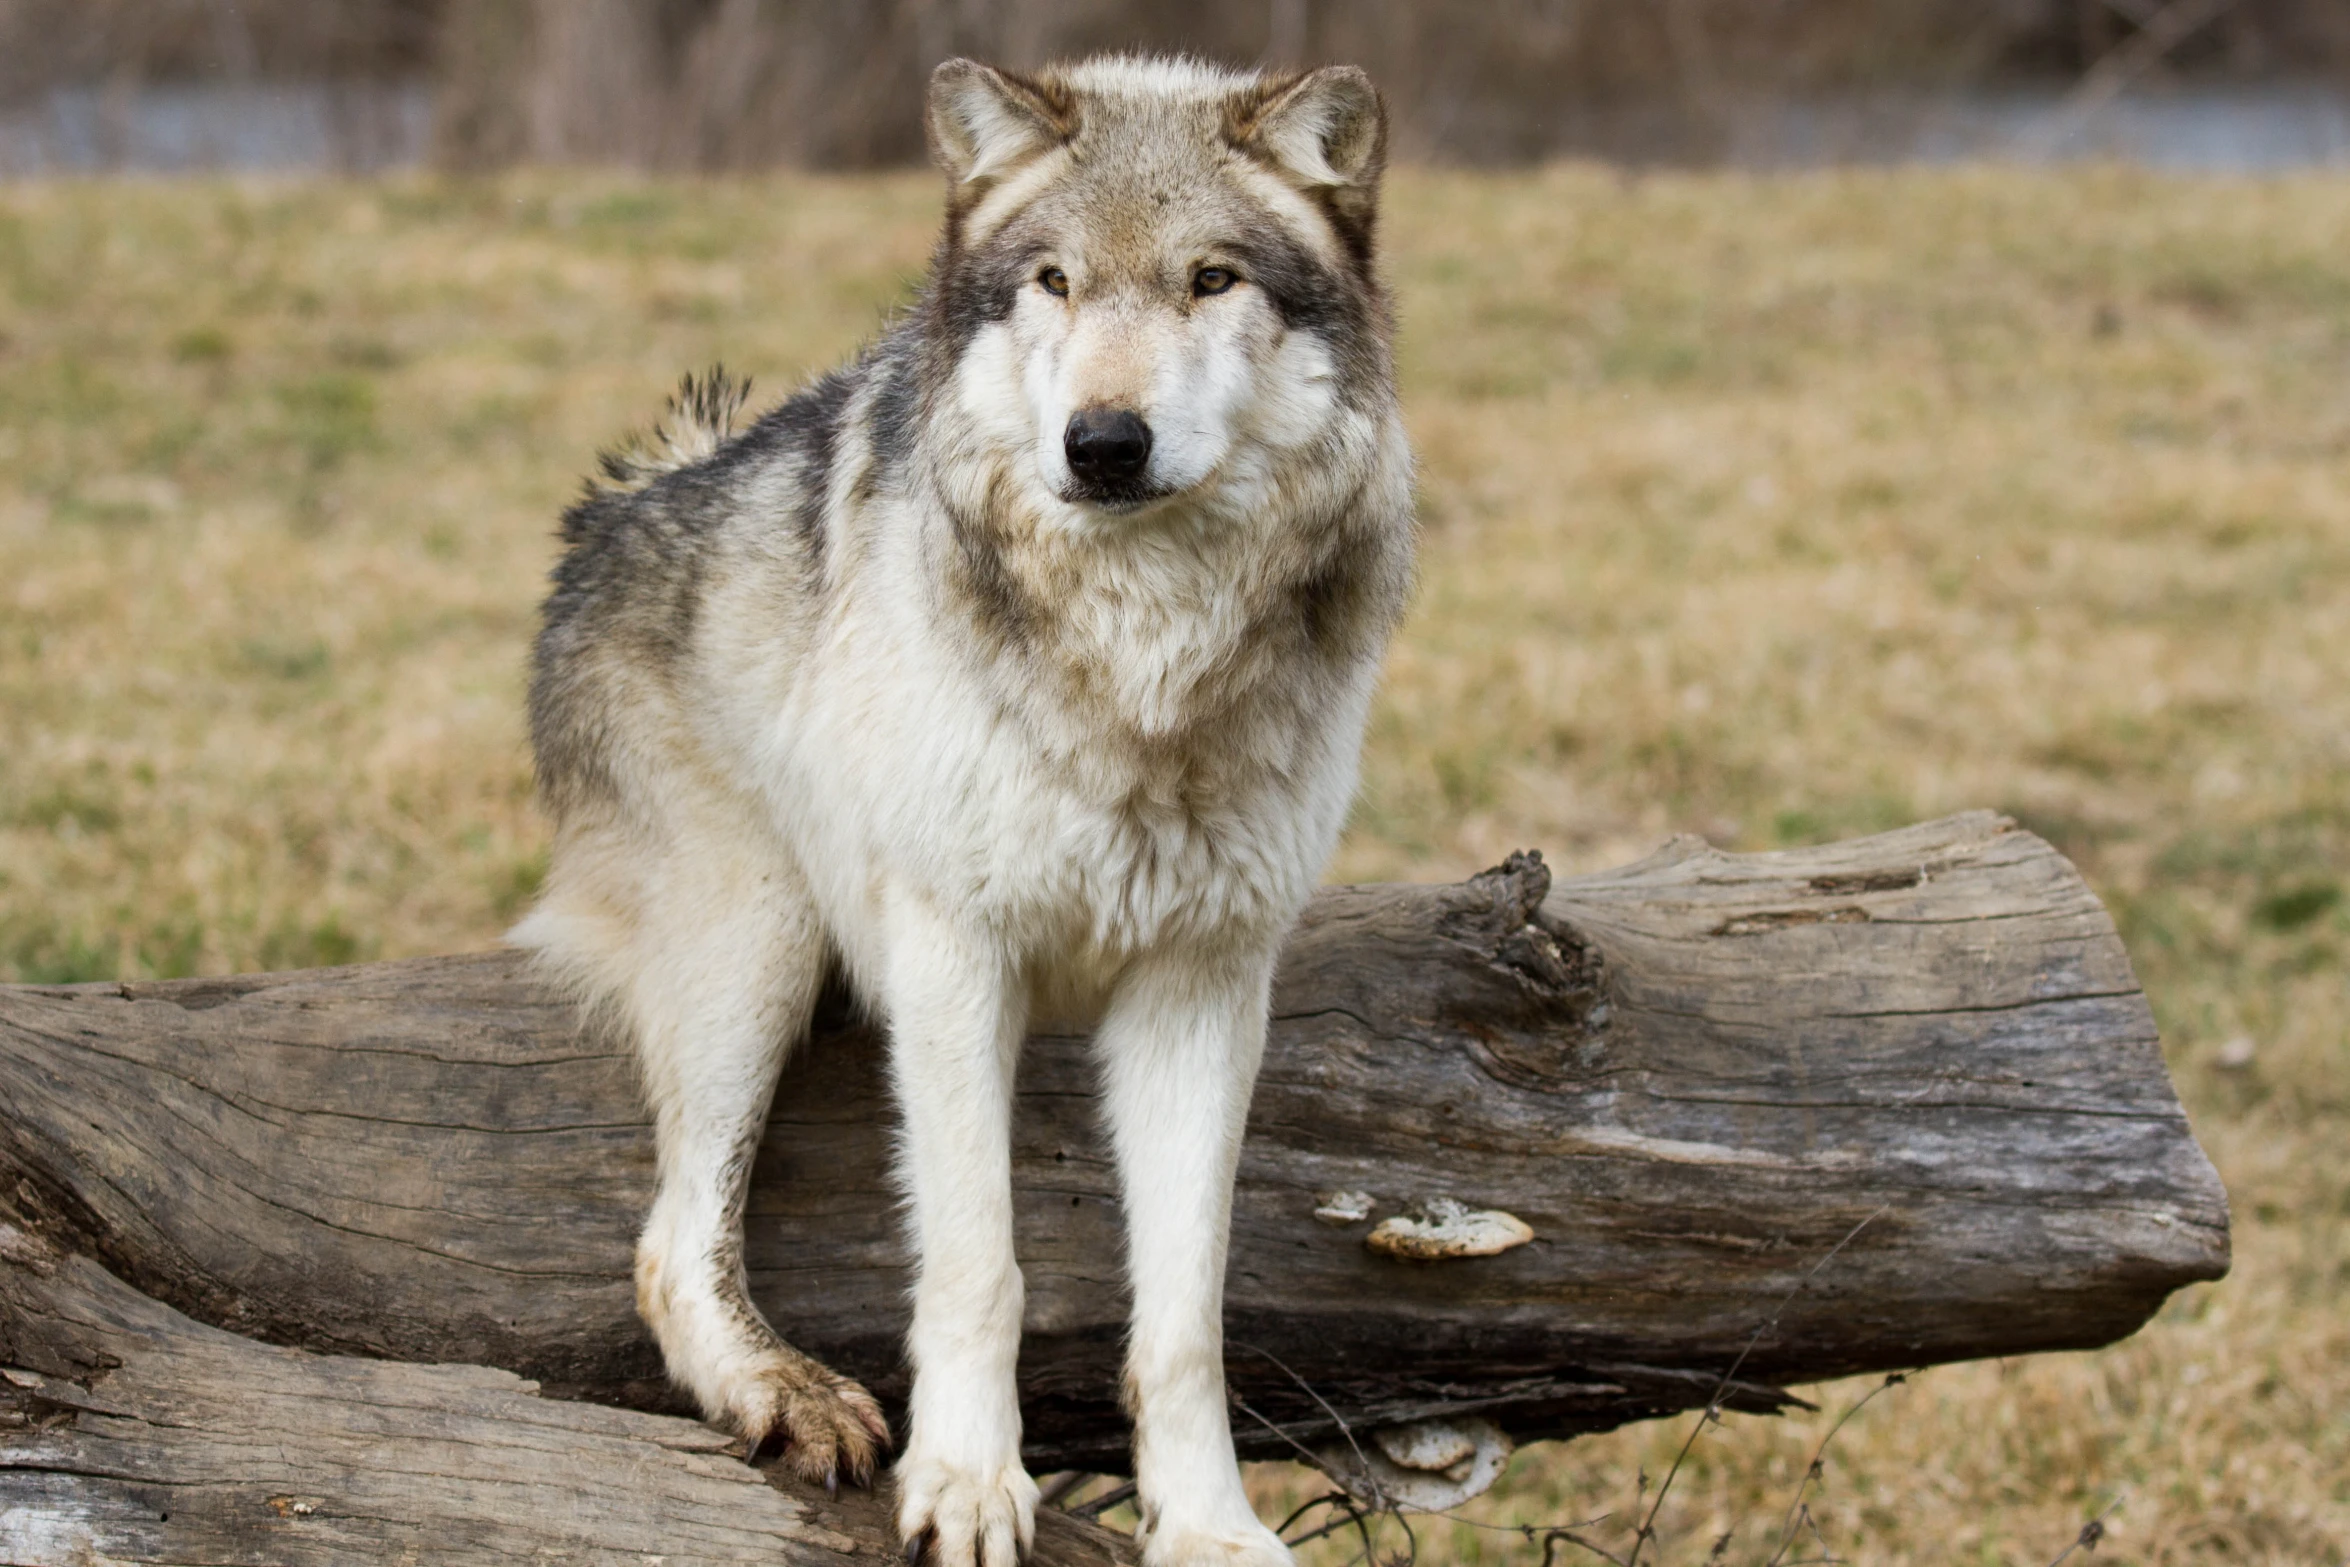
[{"x": 720, "y": 990}]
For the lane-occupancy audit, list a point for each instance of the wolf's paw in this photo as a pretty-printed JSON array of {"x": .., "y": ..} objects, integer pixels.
[
  {"x": 831, "y": 1429},
  {"x": 952, "y": 1517},
  {"x": 1251, "y": 1545}
]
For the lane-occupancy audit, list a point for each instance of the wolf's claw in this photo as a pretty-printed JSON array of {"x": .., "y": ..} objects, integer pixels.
[
  {"x": 826, "y": 1425},
  {"x": 949, "y": 1516}
]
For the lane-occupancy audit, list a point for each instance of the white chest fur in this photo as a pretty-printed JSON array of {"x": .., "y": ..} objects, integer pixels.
[{"x": 1077, "y": 819}]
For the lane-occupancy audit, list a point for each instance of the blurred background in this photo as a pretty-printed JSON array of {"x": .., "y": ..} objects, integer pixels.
[
  {"x": 1831, "y": 414},
  {"x": 735, "y": 84}
]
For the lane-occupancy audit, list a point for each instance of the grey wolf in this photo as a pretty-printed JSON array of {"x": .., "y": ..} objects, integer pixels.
[{"x": 1019, "y": 671}]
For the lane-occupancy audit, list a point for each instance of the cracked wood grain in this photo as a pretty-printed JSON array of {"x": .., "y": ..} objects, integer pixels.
[
  {"x": 130, "y": 1434},
  {"x": 1690, "y": 1078}
]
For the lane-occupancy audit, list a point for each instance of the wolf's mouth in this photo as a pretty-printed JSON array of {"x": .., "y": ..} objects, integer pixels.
[{"x": 1123, "y": 497}]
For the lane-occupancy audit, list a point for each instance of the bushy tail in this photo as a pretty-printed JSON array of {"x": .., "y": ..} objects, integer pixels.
[{"x": 701, "y": 416}]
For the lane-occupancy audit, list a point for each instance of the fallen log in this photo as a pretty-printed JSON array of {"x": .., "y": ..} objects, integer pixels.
[
  {"x": 1863, "y": 1107},
  {"x": 129, "y": 1433}
]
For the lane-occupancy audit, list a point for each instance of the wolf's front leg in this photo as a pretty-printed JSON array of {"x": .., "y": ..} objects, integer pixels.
[
  {"x": 1180, "y": 1048},
  {"x": 955, "y": 1025},
  {"x": 719, "y": 995}
]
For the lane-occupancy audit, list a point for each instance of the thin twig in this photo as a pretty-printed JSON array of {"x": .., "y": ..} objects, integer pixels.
[
  {"x": 1713, "y": 1408},
  {"x": 1104, "y": 1502},
  {"x": 1363, "y": 1464},
  {"x": 1531, "y": 1531},
  {"x": 1552, "y": 1539},
  {"x": 1313, "y": 1460},
  {"x": 1050, "y": 1493},
  {"x": 2092, "y": 1531},
  {"x": 1304, "y": 1508},
  {"x": 1383, "y": 1507},
  {"x": 1352, "y": 1514},
  {"x": 1813, "y": 1470},
  {"x": 1827, "y": 1551}
]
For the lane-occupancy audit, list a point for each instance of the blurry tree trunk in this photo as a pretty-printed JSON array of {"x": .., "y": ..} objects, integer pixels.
[
  {"x": 596, "y": 91},
  {"x": 485, "y": 52},
  {"x": 742, "y": 83},
  {"x": 1288, "y": 24}
]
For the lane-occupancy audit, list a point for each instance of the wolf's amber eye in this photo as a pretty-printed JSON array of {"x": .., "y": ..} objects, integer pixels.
[
  {"x": 1055, "y": 281},
  {"x": 1213, "y": 280}
]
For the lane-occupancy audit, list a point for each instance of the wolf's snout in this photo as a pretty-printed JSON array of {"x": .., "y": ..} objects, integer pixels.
[{"x": 1107, "y": 448}]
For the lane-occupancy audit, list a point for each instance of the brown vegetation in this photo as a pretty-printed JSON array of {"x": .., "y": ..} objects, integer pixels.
[{"x": 1774, "y": 509}]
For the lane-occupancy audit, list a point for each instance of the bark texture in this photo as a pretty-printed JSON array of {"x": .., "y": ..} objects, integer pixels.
[
  {"x": 1862, "y": 1107},
  {"x": 130, "y": 1434}
]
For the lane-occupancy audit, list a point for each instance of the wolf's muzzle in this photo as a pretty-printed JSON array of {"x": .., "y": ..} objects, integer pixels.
[{"x": 1107, "y": 449}]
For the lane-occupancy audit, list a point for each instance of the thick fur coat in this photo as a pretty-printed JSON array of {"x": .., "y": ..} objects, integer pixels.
[{"x": 1018, "y": 670}]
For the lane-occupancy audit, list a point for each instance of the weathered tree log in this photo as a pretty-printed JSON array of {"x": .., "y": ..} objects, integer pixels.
[
  {"x": 1862, "y": 1107},
  {"x": 129, "y": 1433}
]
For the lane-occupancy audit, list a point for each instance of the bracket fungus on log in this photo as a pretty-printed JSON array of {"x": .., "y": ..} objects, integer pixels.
[
  {"x": 1429, "y": 1466},
  {"x": 1922, "y": 1055},
  {"x": 1443, "y": 1230}
]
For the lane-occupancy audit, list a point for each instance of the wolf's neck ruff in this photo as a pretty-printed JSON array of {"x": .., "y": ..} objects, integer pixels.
[
  {"x": 1022, "y": 664},
  {"x": 1178, "y": 627}
]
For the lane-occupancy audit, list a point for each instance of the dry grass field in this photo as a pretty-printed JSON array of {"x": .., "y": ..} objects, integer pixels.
[{"x": 1768, "y": 509}]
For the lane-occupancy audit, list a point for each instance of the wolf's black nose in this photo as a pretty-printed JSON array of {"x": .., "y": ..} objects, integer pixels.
[{"x": 1107, "y": 446}]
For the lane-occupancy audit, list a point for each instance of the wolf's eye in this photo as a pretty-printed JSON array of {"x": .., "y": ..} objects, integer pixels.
[
  {"x": 1055, "y": 281},
  {"x": 1212, "y": 280}
]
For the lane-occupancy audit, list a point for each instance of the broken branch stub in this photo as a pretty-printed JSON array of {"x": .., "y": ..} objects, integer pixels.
[{"x": 1689, "y": 1080}]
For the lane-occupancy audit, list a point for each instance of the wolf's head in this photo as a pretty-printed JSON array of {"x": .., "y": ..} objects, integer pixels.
[{"x": 1157, "y": 279}]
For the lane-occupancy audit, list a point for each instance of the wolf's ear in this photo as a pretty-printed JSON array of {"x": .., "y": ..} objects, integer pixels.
[
  {"x": 984, "y": 123},
  {"x": 1325, "y": 130}
]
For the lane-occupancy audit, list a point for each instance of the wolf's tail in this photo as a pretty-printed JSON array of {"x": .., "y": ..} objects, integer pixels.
[{"x": 701, "y": 416}]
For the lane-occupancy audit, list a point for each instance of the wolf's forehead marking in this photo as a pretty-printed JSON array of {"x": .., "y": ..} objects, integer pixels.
[
  {"x": 1015, "y": 196},
  {"x": 1132, "y": 220},
  {"x": 1152, "y": 154},
  {"x": 1161, "y": 78}
]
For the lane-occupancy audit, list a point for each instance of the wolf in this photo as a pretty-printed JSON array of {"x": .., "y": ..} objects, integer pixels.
[{"x": 1016, "y": 672}]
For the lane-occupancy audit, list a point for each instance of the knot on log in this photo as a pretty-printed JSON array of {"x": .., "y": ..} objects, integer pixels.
[{"x": 1539, "y": 1024}]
